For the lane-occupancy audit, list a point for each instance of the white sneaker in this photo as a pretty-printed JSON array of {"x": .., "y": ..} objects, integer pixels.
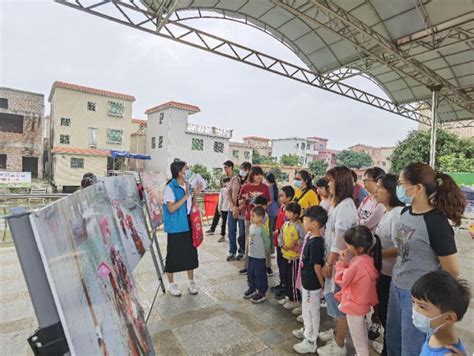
[
  {"x": 283, "y": 301},
  {"x": 305, "y": 347},
  {"x": 297, "y": 311},
  {"x": 377, "y": 346},
  {"x": 298, "y": 333},
  {"x": 192, "y": 288},
  {"x": 333, "y": 349},
  {"x": 326, "y": 336},
  {"x": 291, "y": 305},
  {"x": 173, "y": 290},
  {"x": 299, "y": 319}
]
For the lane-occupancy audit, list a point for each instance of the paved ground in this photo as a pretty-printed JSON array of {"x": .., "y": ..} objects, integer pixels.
[{"x": 217, "y": 321}]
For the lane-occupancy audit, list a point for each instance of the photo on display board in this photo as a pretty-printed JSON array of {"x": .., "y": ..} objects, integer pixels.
[
  {"x": 128, "y": 212},
  {"x": 153, "y": 187},
  {"x": 89, "y": 276}
]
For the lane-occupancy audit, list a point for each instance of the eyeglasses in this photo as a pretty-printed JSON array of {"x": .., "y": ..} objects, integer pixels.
[{"x": 368, "y": 180}]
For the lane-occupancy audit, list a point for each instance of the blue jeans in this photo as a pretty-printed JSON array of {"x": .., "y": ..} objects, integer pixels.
[
  {"x": 257, "y": 275},
  {"x": 232, "y": 224},
  {"x": 403, "y": 339}
]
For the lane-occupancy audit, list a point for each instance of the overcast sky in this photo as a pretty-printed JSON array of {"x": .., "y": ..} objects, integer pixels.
[{"x": 42, "y": 41}]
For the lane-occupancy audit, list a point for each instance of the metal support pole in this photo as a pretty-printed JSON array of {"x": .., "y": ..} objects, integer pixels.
[{"x": 434, "y": 125}]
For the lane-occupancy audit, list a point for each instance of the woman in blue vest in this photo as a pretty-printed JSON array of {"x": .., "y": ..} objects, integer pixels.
[{"x": 181, "y": 254}]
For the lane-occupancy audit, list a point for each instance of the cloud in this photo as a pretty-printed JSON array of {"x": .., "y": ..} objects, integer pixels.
[{"x": 43, "y": 41}]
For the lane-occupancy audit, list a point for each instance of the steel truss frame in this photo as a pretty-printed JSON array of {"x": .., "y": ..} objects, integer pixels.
[
  {"x": 374, "y": 45},
  {"x": 137, "y": 16}
]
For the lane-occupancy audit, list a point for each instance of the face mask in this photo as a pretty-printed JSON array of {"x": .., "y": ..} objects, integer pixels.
[
  {"x": 243, "y": 173},
  {"x": 402, "y": 195},
  {"x": 423, "y": 323},
  {"x": 297, "y": 183},
  {"x": 188, "y": 174}
]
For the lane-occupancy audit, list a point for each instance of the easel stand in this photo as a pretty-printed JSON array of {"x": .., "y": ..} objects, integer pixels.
[
  {"x": 49, "y": 338},
  {"x": 158, "y": 262}
]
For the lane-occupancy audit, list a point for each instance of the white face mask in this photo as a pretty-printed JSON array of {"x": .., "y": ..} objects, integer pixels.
[
  {"x": 423, "y": 323},
  {"x": 243, "y": 173},
  {"x": 188, "y": 174}
]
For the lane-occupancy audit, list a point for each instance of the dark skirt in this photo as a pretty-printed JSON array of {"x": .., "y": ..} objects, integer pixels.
[{"x": 181, "y": 255}]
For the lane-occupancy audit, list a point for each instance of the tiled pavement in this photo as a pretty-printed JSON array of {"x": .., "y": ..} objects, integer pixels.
[{"x": 218, "y": 321}]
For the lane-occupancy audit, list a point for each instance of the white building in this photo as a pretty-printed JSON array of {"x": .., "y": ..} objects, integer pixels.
[
  {"x": 170, "y": 135},
  {"x": 302, "y": 147}
]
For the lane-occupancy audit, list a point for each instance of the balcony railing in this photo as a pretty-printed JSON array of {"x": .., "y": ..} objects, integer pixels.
[{"x": 208, "y": 130}]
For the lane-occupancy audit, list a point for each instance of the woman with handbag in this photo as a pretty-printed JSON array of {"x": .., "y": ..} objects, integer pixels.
[{"x": 181, "y": 253}]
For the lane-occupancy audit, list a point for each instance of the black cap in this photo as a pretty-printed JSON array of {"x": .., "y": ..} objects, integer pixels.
[{"x": 229, "y": 163}]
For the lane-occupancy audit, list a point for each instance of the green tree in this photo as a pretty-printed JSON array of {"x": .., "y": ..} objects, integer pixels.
[
  {"x": 290, "y": 160},
  {"x": 258, "y": 158},
  {"x": 416, "y": 148},
  {"x": 318, "y": 168},
  {"x": 354, "y": 159},
  {"x": 456, "y": 162},
  {"x": 280, "y": 176},
  {"x": 202, "y": 170}
]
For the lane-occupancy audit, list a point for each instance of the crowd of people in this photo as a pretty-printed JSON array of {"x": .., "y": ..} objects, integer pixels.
[{"x": 383, "y": 254}]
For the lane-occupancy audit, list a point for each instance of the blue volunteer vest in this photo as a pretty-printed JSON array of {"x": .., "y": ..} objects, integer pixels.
[{"x": 178, "y": 221}]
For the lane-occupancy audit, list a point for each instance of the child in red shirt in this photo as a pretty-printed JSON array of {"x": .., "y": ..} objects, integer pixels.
[{"x": 285, "y": 197}]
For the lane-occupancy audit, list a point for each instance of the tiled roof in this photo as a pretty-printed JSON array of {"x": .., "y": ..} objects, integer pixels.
[
  {"x": 174, "y": 104},
  {"x": 80, "y": 151},
  {"x": 256, "y": 138},
  {"x": 89, "y": 90},
  {"x": 139, "y": 122}
]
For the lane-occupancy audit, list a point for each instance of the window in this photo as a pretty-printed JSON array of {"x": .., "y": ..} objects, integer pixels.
[
  {"x": 3, "y": 161},
  {"x": 162, "y": 116},
  {"x": 297, "y": 145},
  {"x": 303, "y": 145},
  {"x": 11, "y": 123},
  {"x": 197, "y": 144},
  {"x": 246, "y": 154},
  {"x": 4, "y": 103},
  {"x": 153, "y": 142},
  {"x": 321, "y": 145},
  {"x": 64, "y": 139},
  {"x": 65, "y": 121},
  {"x": 218, "y": 147},
  {"x": 235, "y": 153},
  {"x": 309, "y": 147},
  {"x": 160, "y": 142},
  {"x": 77, "y": 162},
  {"x": 92, "y": 136},
  {"x": 90, "y": 106},
  {"x": 33, "y": 122},
  {"x": 116, "y": 108},
  {"x": 114, "y": 136}
]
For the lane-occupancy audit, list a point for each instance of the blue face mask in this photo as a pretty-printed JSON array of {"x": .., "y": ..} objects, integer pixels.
[
  {"x": 402, "y": 195},
  {"x": 188, "y": 174},
  {"x": 423, "y": 323},
  {"x": 297, "y": 184}
]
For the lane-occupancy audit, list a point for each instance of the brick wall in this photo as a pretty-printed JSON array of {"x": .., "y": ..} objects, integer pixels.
[{"x": 28, "y": 143}]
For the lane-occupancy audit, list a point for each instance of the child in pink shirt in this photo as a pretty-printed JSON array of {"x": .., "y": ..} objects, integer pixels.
[{"x": 356, "y": 273}]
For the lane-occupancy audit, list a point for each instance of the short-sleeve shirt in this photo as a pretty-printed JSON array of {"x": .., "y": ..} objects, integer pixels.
[
  {"x": 386, "y": 231},
  {"x": 313, "y": 254},
  {"x": 251, "y": 191},
  {"x": 309, "y": 199},
  {"x": 427, "y": 350},
  {"x": 421, "y": 239},
  {"x": 168, "y": 197},
  {"x": 292, "y": 234},
  {"x": 341, "y": 217}
]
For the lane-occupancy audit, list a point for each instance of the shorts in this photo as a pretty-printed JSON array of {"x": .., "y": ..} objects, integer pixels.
[{"x": 333, "y": 306}]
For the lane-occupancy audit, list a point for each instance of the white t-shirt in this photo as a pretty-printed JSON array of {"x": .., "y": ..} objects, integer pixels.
[
  {"x": 170, "y": 198},
  {"x": 341, "y": 218},
  {"x": 386, "y": 231}
]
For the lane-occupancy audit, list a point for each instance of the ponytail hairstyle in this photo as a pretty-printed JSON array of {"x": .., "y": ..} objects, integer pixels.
[
  {"x": 389, "y": 182},
  {"x": 255, "y": 171},
  {"x": 442, "y": 191},
  {"x": 361, "y": 237},
  {"x": 306, "y": 177},
  {"x": 270, "y": 177}
]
